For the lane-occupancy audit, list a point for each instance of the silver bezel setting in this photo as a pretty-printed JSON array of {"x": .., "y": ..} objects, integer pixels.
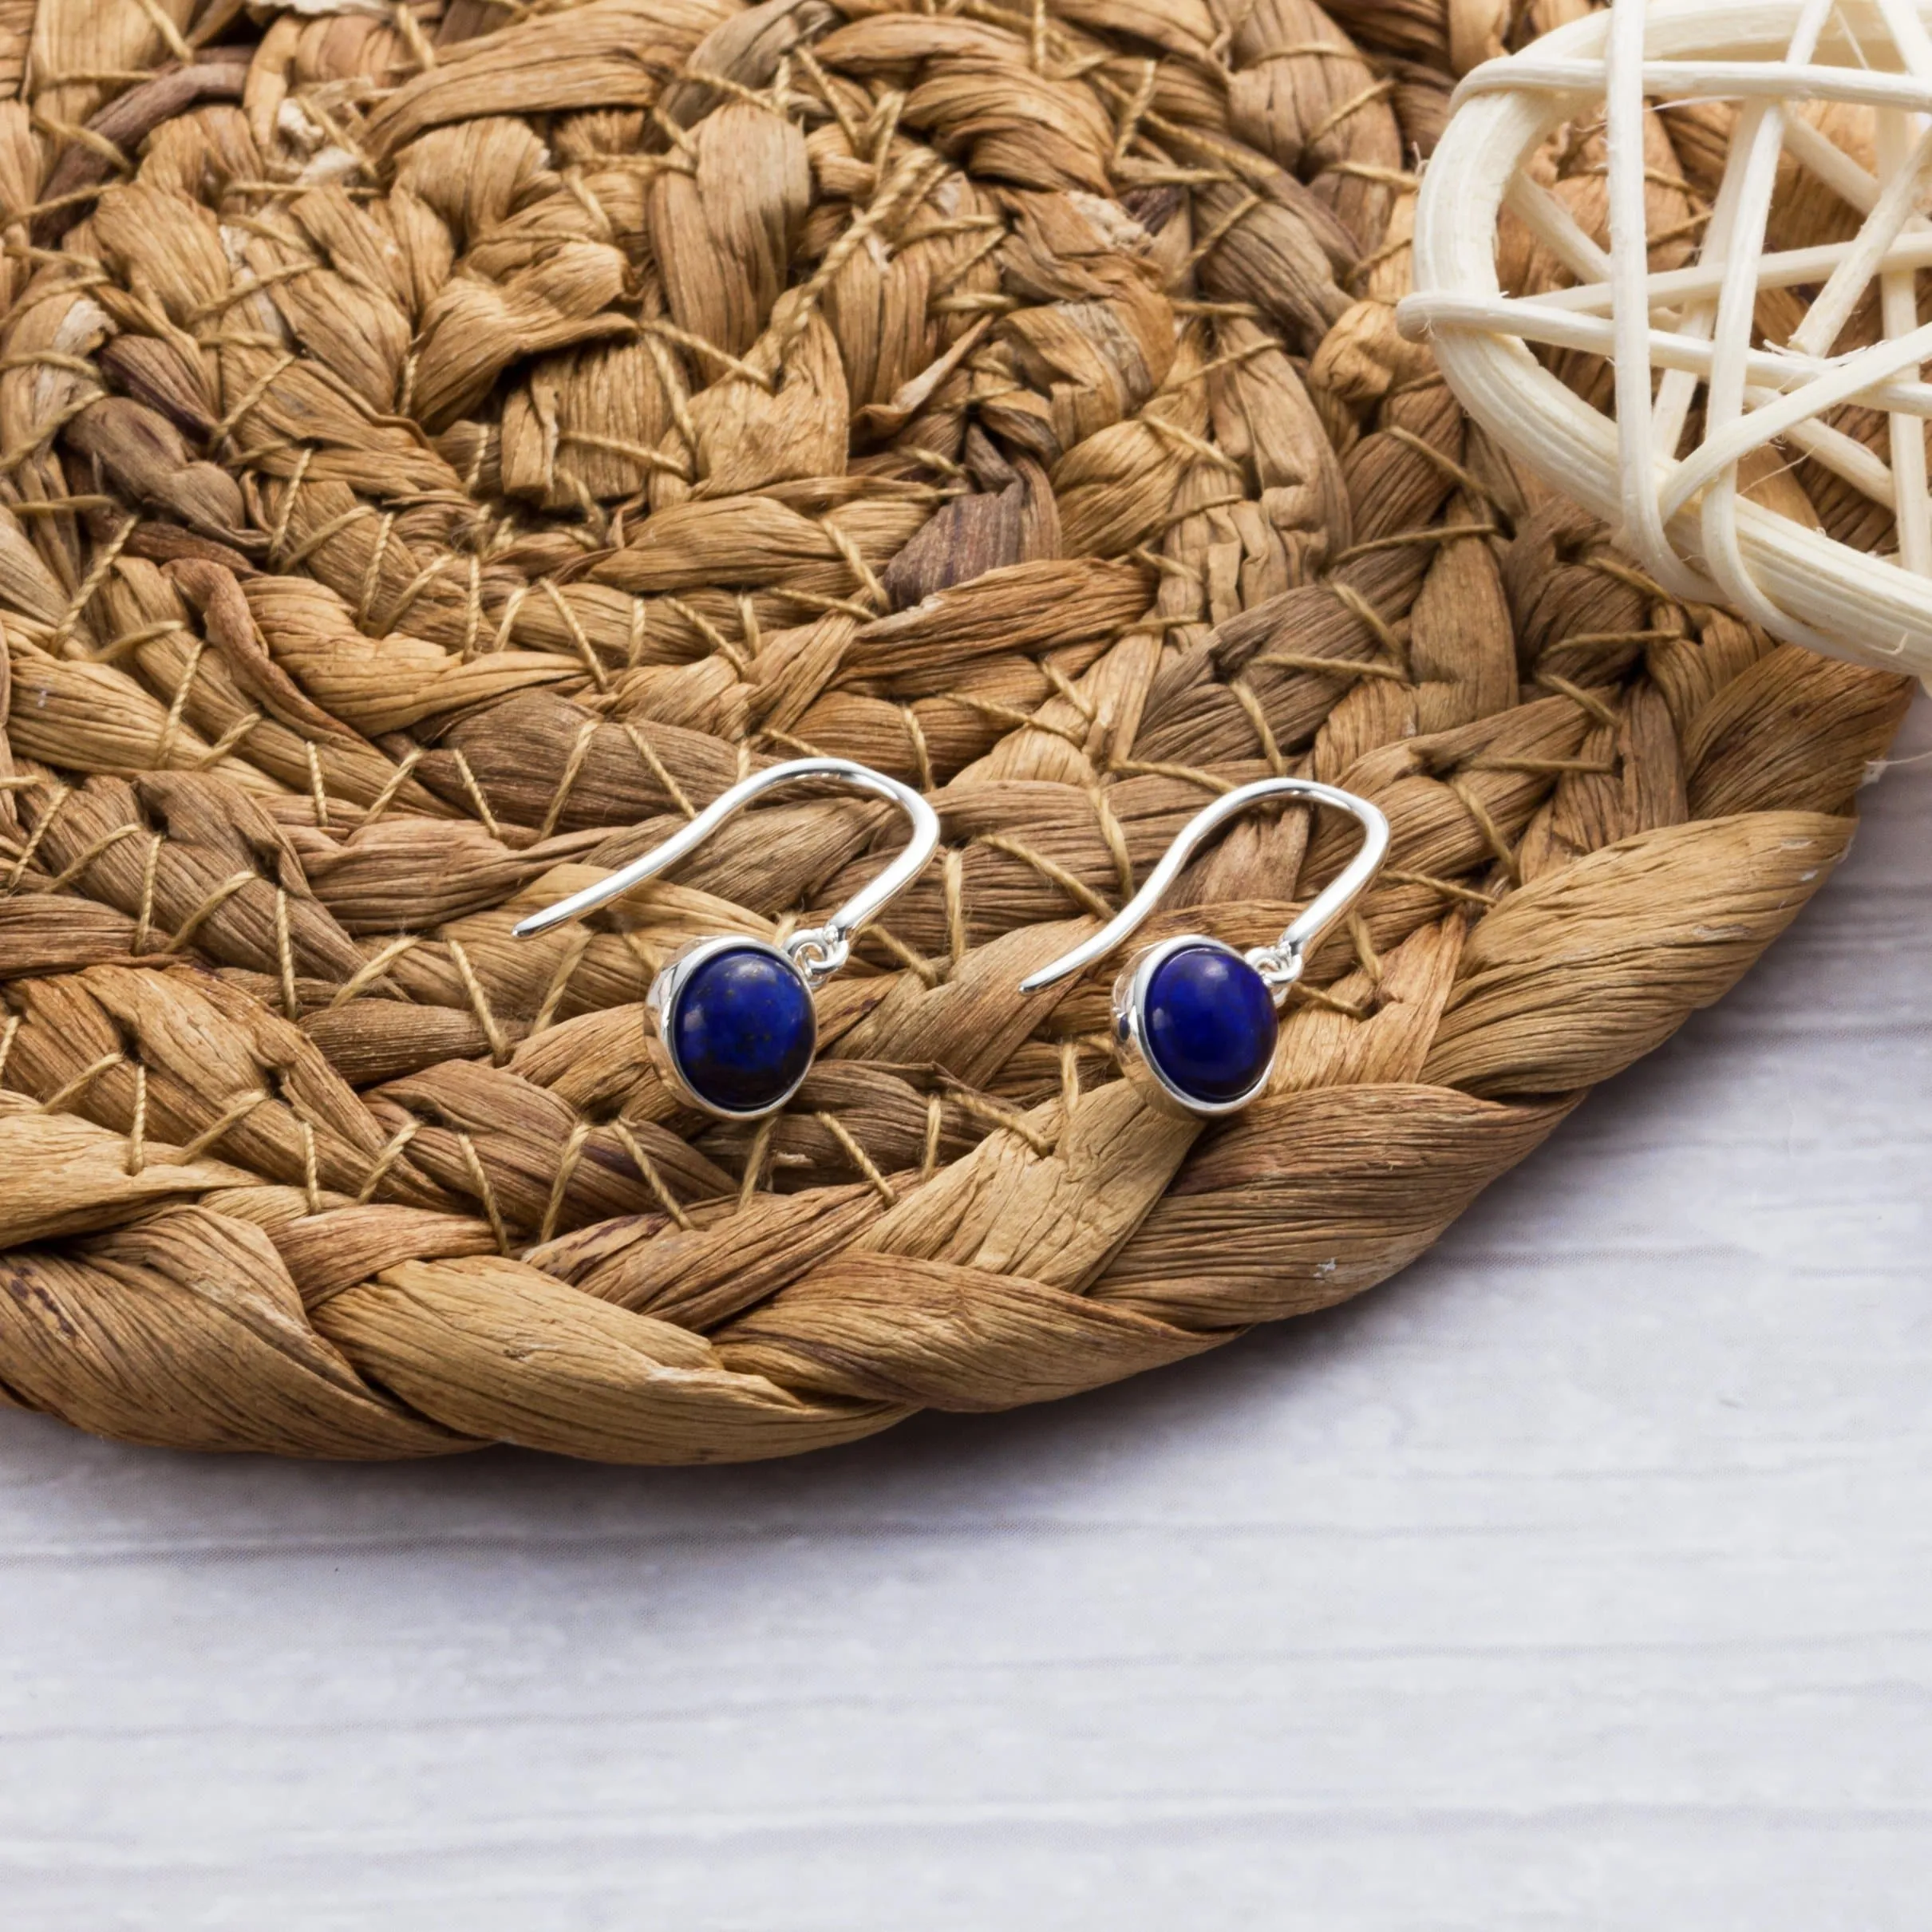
[
  {"x": 662, "y": 1002},
  {"x": 1130, "y": 992}
]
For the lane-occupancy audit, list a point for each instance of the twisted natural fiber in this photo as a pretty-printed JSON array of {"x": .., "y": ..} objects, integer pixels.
[{"x": 444, "y": 446}]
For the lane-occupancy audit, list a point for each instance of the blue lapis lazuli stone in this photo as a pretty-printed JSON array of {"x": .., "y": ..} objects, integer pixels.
[
  {"x": 743, "y": 1028},
  {"x": 1207, "y": 1024}
]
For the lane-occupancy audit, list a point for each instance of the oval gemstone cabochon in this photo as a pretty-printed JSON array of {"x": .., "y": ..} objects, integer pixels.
[
  {"x": 1208, "y": 1023},
  {"x": 743, "y": 1029}
]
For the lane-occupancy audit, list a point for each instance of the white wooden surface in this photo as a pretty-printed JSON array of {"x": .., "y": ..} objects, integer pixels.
[{"x": 1581, "y": 1578}]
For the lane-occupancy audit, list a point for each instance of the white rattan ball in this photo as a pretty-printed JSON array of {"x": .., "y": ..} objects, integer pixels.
[{"x": 1684, "y": 337}]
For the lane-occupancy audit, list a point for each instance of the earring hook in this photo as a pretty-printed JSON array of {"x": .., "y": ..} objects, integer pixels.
[
  {"x": 817, "y": 951},
  {"x": 1279, "y": 965}
]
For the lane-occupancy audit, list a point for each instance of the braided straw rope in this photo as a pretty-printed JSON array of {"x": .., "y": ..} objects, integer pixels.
[
  {"x": 1804, "y": 351},
  {"x": 442, "y": 446}
]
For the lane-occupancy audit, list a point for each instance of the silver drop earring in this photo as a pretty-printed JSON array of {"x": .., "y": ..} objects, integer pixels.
[
  {"x": 1196, "y": 1021},
  {"x": 732, "y": 1025}
]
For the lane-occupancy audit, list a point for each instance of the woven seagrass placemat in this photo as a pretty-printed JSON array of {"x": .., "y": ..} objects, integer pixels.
[{"x": 443, "y": 444}]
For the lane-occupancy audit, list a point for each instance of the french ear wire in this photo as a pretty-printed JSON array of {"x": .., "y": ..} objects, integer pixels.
[
  {"x": 732, "y": 1025},
  {"x": 1194, "y": 1020}
]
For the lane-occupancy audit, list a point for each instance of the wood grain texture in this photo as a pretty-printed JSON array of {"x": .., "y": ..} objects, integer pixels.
[{"x": 1579, "y": 1579}]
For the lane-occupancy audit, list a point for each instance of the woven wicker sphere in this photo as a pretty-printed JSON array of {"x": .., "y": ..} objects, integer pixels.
[
  {"x": 444, "y": 446},
  {"x": 1763, "y": 308}
]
